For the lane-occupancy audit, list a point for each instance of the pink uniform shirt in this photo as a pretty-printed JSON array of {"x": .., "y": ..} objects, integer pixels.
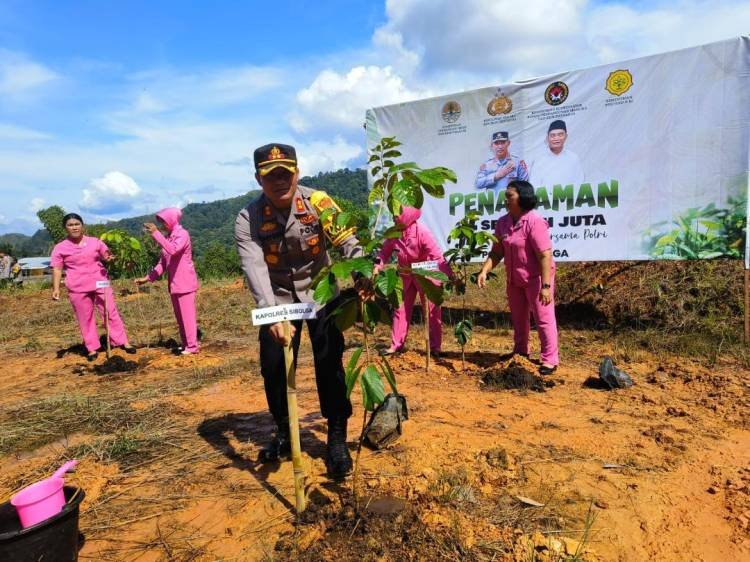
[
  {"x": 81, "y": 262},
  {"x": 176, "y": 255},
  {"x": 416, "y": 243},
  {"x": 521, "y": 244}
]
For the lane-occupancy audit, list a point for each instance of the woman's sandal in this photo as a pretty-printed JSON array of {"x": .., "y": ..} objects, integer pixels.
[
  {"x": 547, "y": 369},
  {"x": 127, "y": 348},
  {"x": 92, "y": 356}
]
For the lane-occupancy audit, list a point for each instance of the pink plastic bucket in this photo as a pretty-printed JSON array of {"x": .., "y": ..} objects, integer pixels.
[{"x": 39, "y": 501}]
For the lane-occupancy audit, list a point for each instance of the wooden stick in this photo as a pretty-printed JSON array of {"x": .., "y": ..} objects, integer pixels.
[
  {"x": 106, "y": 323},
  {"x": 747, "y": 306},
  {"x": 426, "y": 317},
  {"x": 291, "y": 399}
]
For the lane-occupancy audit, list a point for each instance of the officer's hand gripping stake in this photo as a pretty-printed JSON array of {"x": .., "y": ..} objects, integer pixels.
[{"x": 291, "y": 400}]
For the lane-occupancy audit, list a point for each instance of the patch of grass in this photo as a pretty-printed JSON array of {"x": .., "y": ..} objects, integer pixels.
[
  {"x": 452, "y": 484},
  {"x": 44, "y": 421},
  {"x": 131, "y": 446}
]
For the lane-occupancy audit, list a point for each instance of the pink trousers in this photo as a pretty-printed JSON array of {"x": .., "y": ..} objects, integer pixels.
[
  {"x": 184, "y": 312},
  {"x": 402, "y": 317},
  {"x": 83, "y": 308},
  {"x": 525, "y": 300}
]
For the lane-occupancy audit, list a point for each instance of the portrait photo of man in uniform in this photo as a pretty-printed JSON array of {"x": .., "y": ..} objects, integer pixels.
[
  {"x": 503, "y": 167},
  {"x": 556, "y": 165},
  {"x": 283, "y": 245}
]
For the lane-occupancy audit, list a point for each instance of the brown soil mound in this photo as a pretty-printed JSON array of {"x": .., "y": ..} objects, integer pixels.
[{"x": 514, "y": 376}]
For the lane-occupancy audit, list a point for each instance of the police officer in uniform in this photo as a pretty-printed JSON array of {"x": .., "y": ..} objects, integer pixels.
[
  {"x": 283, "y": 245},
  {"x": 503, "y": 168}
]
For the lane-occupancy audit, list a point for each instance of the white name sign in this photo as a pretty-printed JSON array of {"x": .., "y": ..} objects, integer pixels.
[
  {"x": 273, "y": 314},
  {"x": 102, "y": 284},
  {"x": 426, "y": 265}
]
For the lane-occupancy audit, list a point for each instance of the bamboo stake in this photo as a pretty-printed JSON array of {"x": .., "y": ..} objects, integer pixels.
[
  {"x": 291, "y": 398},
  {"x": 747, "y": 306},
  {"x": 426, "y": 318},
  {"x": 106, "y": 323}
]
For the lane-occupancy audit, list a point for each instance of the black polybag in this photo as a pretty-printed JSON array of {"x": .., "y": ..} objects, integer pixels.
[
  {"x": 384, "y": 427},
  {"x": 612, "y": 376}
]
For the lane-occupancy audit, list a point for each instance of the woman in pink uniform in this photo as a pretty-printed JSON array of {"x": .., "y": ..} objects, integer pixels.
[
  {"x": 524, "y": 242},
  {"x": 177, "y": 260},
  {"x": 82, "y": 258},
  {"x": 416, "y": 244}
]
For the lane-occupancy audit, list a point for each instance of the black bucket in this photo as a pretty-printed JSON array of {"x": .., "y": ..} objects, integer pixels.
[{"x": 52, "y": 540}]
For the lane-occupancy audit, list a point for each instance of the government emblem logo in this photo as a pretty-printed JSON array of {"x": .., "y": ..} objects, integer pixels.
[
  {"x": 556, "y": 93},
  {"x": 451, "y": 112},
  {"x": 276, "y": 154},
  {"x": 619, "y": 82},
  {"x": 499, "y": 105}
]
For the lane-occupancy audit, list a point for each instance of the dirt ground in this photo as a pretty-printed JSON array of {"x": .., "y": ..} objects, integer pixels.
[{"x": 168, "y": 446}]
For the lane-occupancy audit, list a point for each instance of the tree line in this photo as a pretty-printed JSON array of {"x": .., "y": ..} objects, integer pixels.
[{"x": 211, "y": 227}]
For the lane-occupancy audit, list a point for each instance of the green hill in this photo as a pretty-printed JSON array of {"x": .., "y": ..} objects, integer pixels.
[{"x": 211, "y": 222}]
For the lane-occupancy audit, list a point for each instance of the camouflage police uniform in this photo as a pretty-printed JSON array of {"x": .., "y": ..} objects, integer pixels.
[{"x": 281, "y": 253}]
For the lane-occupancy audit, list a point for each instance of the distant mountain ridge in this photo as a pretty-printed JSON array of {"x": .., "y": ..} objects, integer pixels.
[{"x": 212, "y": 221}]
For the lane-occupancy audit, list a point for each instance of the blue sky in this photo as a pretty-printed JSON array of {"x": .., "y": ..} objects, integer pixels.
[{"x": 119, "y": 108}]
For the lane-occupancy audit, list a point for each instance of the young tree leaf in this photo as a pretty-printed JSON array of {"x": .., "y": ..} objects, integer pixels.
[
  {"x": 372, "y": 313},
  {"x": 342, "y": 219},
  {"x": 373, "y": 391},
  {"x": 325, "y": 289},
  {"x": 388, "y": 374},
  {"x": 434, "y": 293},
  {"x": 462, "y": 331},
  {"x": 346, "y": 314},
  {"x": 352, "y": 371},
  {"x": 362, "y": 265},
  {"x": 350, "y": 377},
  {"x": 394, "y": 231},
  {"x": 407, "y": 193},
  {"x": 387, "y": 281},
  {"x": 437, "y": 275},
  {"x": 342, "y": 269}
]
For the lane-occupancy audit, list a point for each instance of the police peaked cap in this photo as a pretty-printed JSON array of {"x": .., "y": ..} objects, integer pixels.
[{"x": 275, "y": 155}]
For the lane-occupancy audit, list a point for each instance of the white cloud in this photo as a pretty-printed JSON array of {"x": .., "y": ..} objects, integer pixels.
[
  {"x": 162, "y": 90},
  {"x": 177, "y": 130},
  {"x": 488, "y": 37},
  {"x": 19, "y": 225},
  {"x": 36, "y": 204},
  {"x": 619, "y": 31},
  {"x": 434, "y": 47},
  {"x": 20, "y": 75},
  {"x": 114, "y": 192},
  {"x": 340, "y": 100},
  {"x": 322, "y": 156},
  {"x": 16, "y": 133}
]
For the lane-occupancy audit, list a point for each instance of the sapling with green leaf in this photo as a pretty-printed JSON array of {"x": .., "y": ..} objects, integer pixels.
[
  {"x": 396, "y": 185},
  {"x": 127, "y": 250},
  {"x": 469, "y": 244}
]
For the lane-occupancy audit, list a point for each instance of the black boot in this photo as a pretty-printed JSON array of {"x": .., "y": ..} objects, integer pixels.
[
  {"x": 280, "y": 447},
  {"x": 338, "y": 459}
]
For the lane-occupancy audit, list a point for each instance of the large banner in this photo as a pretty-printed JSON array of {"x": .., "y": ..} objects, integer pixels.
[{"x": 638, "y": 160}]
